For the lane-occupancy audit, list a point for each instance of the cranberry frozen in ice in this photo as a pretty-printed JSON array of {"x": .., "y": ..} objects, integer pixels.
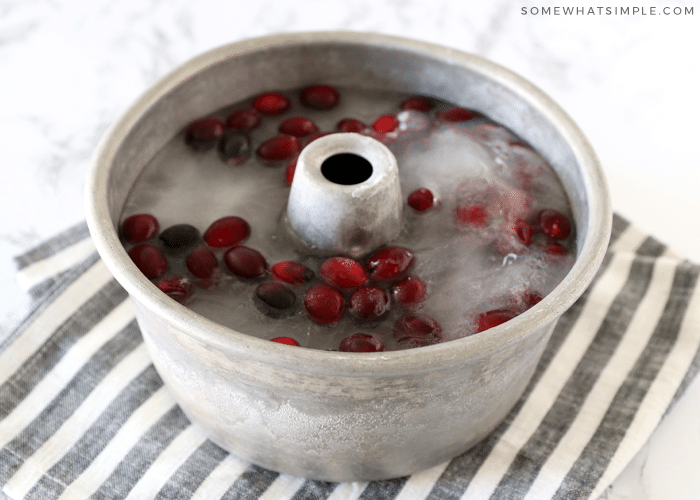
[
  {"x": 343, "y": 272},
  {"x": 139, "y": 228},
  {"x": 320, "y": 97},
  {"x": 279, "y": 148},
  {"x": 226, "y": 231},
  {"x": 369, "y": 303},
  {"x": 361, "y": 342},
  {"x": 204, "y": 133},
  {"x": 245, "y": 262},
  {"x": 324, "y": 304},
  {"x": 150, "y": 260},
  {"x": 271, "y": 103},
  {"x": 275, "y": 299}
]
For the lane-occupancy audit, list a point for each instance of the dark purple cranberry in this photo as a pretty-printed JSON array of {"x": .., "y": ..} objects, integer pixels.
[
  {"x": 351, "y": 125},
  {"x": 285, "y": 341},
  {"x": 203, "y": 134},
  {"x": 421, "y": 199},
  {"x": 343, "y": 272},
  {"x": 554, "y": 224},
  {"x": 324, "y": 304},
  {"x": 226, "y": 231},
  {"x": 320, "y": 97},
  {"x": 370, "y": 303},
  {"x": 202, "y": 263},
  {"x": 456, "y": 114},
  {"x": 245, "y": 262},
  {"x": 416, "y": 103},
  {"x": 243, "y": 120},
  {"x": 271, "y": 103},
  {"x": 361, "y": 342},
  {"x": 298, "y": 126},
  {"x": 409, "y": 292},
  {"x": 417, "y": 330},
  {"x": 385, "y": 124},
  {"x": 179, "y": 237},
  {"x": 489, "y": 319},
  {"x": 279, "y": 148},
  {"x": 139, "y": 228},
  {"x": 177, "y": 288},
  {"x": 150, "y": 260},
  {"x": 291, "y": 272},
  {"x": 389, "y": 264},
  {"x": 234, "y": 148},
  {"x": 275, "y": 299}
]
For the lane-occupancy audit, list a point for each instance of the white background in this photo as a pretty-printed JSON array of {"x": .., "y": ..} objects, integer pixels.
[{"x": 68, "y": 68}]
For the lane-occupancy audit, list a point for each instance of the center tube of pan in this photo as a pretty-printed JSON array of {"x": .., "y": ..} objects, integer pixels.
[{"x": 345, "y": 198}]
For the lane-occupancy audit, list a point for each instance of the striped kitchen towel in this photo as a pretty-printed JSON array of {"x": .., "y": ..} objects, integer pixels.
[{"x": 83, "y": 413}]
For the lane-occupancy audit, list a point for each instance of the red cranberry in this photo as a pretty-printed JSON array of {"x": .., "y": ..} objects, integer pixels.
[
  {"x": 234, "y": 148},
  {"x": 351, "y": 125},
  {"x": 324, "y": 304},
  {"x": 417, "y": 104},
  {"x": 177, "y": 288},
  {"x": 554, "y": 224},
  {"x": 489, "y": 319},
  {"x": 409, "y": 292},
  {"x": 524, "y": 300},
  {"x": 417, "y": 329},
  {"x": 555, "y": 251},
  {"x": 179, "y": 237},
  {"x": 274, "y": 299},
  {"x": 343, "y": 272},
  {"x": 456, "y": 114},
  {"x": 139, "y": 228},
  {"x": 279, "y": 147},
  {"x": 285, "y": 341},
  {"x": 245, "y": 262},
  {"x": 150, "y": 260},
  {"x": 515, "y": 237},
  {"x": 361, "y": 342},
  {"x": 203, "y": 134},
  {"x": 320, "y": 97},
  {"x": 421, "y": 199},
  {"x": 298, "y": 126},
  {"x": 385, "y": 124},
  {"x": 389, "y": 263},
  {"x": 243, "y": 120},
  {"x": 370, "y": 303},
  {"x": 289, "y": 172},
  {"x": 271, "y": 103},
  {"x": 291, "y": 272},
  {"x": 471, "y": 214},
  {"x": 226, "y": 231},
  {"x": 202, "y": 263}
]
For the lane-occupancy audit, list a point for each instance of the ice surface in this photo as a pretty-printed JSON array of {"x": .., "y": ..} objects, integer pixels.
[{"x": 476, "y": 162}]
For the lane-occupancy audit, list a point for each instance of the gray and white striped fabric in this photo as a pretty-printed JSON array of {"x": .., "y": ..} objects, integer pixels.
[{"x": 83, "y": 413}]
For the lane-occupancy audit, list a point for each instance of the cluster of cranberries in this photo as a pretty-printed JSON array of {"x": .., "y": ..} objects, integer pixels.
[
  {"x": 365, "y": 289},
  {"x": 343, "y": 285}
]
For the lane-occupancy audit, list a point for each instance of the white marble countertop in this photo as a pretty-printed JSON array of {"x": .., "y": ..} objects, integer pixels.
[{"x": 69, "y": 68}]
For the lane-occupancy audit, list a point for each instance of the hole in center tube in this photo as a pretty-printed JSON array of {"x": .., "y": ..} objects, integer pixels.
[{"x": 346, "y": 169}]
